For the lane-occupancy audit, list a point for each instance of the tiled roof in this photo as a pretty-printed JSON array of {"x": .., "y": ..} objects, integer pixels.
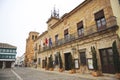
[{"x": 6, "y": 45}]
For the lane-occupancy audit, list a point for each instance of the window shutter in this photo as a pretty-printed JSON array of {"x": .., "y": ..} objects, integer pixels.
[
  {"x": 80, "y": 24},
  {"x": 99, "y": 15},
  {"x": 66, "y": 31}
]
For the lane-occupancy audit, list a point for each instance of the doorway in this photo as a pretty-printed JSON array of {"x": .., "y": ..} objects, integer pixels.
[
  {"x": 43, "y": 63},
  {"x": 8, "y": 64},
  {"x": 1, "y": 64},
  {"x": 67, "y": 61},
  {"x": 106, "y": 56}
]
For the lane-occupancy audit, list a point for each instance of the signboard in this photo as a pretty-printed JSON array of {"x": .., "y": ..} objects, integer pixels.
[
  {"x": 90, "y": 63},
  {"x": 76, "y": 63}
]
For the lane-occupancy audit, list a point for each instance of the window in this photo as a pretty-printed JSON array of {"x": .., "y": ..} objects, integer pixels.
[
  {"x": 9, "y": 57},
  {"x": 56, "y": 59},
  {"x": 119, "y": 1},
  {"x": 6, "y": 57},
  {"x": 80, "y": 29},
  {"x": 0, "y": 50},
  {"x": 7, "y": 50},
  {"x": 100, "y": 20},
  {"x": 4, "y": 50},
  {"x": 39, "y": 61},
  {"x": 56, "y": 38},
  {"x": 50, "y": 42},
  {"x": 3, "y": 56},
  {"x": 36, "y": 46},
  {"x": 83, "y": 58},
  {"x": 13, "y": 57},
  {"x": 35, "y": 37},
  {"x": 32, "y": 37},
  {"x": 11, "y": 51},
  {"x": 66, "y": 34},
  {"x": 14, "y": 51}
]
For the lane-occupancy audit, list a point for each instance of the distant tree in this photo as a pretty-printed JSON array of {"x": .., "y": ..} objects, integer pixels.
[
  {"x": 45, "y": 62},
  {"x": 71, "y": 62},
  {"x": 60, "y": 61},
  {"x": 94, "y": 58},
  {"x": 116, "y": 57},
  {"x": 56, "y": 59},
  {"x": 50, "y": 62}
]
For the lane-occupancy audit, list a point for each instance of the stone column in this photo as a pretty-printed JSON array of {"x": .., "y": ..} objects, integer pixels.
[
  {"x": 4, "y": 65},
  {"x": 12, "y": 64}
]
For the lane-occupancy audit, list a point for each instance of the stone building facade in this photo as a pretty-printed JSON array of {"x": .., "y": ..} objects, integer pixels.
[
  {"x": 92, "y": 23},
  {"x": 29, "y": 53}
]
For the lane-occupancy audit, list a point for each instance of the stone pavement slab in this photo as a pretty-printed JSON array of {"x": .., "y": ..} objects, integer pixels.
[
  {"x": 87, "y": 76},
  {"x": 7, "y": 74}
]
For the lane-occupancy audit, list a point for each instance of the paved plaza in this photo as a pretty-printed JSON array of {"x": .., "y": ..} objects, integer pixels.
[
  {"x": 7, "y": 74},
  {"x": 37, "y": 74}
]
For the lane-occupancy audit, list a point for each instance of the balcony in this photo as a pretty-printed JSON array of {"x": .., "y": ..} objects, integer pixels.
[{"x": 111, "y": 24}]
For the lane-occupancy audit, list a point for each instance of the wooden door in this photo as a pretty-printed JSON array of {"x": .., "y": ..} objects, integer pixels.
[
  {"x": 107, "y": 62},
  {"x": 67, "y": 61}
]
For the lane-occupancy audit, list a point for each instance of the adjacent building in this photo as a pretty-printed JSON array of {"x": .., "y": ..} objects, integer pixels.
[
  {"x": 20, "y": 61},
  {"x": 92, "y": 23},
  {"x": 29, "y": 54},
  {"x": 7, "y": 55},
  {"x": 17, "y": 61}
]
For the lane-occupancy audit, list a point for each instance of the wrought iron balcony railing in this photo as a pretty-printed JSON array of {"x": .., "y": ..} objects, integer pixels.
[{"x": 90, "y": 30}]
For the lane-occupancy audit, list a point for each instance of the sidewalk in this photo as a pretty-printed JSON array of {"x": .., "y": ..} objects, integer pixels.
[{"x": 87, "y": 76}]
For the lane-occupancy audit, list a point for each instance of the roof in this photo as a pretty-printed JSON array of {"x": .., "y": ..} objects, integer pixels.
[
  {"x": 52, "y": 18},
  {"x": 33, "y": 32},
  {"x": 6, "y": 45},
  {"x": 66, "y": 15}
]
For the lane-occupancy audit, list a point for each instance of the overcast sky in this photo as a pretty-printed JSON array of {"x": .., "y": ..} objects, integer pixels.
[{"x": 19, "y": 17}]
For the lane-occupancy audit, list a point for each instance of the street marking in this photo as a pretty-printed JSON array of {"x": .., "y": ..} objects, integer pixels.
[{"x": 16, "y": 75}]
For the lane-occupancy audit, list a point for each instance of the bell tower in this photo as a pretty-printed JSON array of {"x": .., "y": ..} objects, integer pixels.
[
  {"x": 54, "y": 18},
  {"x": 55, "y": 13}
]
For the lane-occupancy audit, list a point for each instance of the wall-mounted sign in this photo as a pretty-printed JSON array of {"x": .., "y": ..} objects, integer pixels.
[
  {"x": 76, "y": 63},
  {"x": 90, "y": 63}
]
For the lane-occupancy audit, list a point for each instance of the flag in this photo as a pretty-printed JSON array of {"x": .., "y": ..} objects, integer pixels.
[
  {"x": 46, "y": 41},
  {"x": 50, "y": 42}
]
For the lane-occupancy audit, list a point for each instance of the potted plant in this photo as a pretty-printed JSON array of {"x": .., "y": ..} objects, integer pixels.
[
  {"x": 51, "y": 63},
  {"x": 96, "y": 71},
  {"x": 46, "y": 64},
  {"x": 60, "y": 63},
  {"x": 116, "y": 59},
  {"x": 71, "y": 64}
]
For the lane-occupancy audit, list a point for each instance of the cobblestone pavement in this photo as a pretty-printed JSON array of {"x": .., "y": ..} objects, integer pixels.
[{"x": 7, "y": 74}]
